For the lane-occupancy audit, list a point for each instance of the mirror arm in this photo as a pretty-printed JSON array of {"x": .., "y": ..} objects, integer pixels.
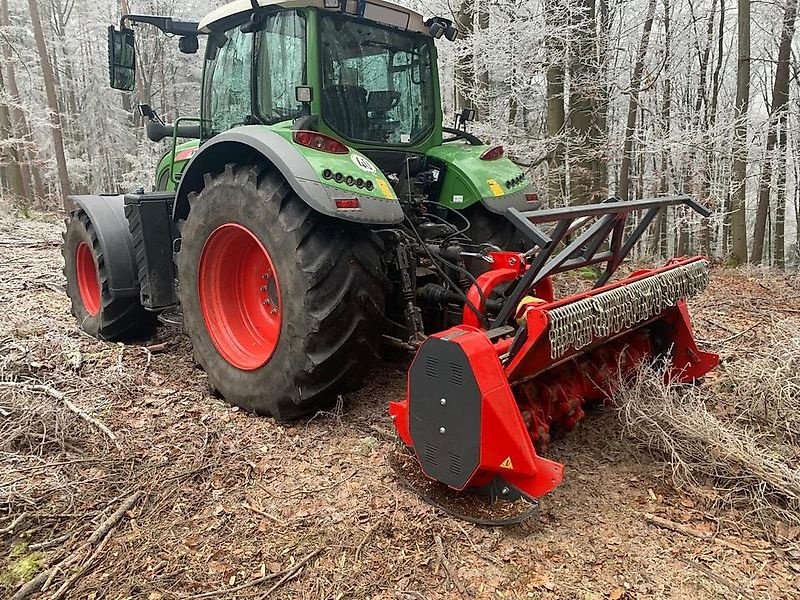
[{"x": 165, "y": 24}]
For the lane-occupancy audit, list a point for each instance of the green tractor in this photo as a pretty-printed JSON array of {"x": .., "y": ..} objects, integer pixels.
[
  {"x": 322, "y": 209},
  {"x": 319, "y": 209}
]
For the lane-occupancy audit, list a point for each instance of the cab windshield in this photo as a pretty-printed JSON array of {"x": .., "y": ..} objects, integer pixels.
[{"x": 377, "y": 83}]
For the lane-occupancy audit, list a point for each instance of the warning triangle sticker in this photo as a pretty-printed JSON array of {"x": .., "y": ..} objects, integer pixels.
[{"x": 507, "y": 464}]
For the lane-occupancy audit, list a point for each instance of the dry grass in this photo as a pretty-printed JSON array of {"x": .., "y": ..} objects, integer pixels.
[{"x": 729, "y": 442}]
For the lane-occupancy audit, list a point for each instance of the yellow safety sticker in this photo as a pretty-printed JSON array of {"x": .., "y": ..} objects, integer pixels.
[
  {"x": 385, "y": 188},
  {"x": 507, "y": 464},
  {"x": 495, "y": 187}
]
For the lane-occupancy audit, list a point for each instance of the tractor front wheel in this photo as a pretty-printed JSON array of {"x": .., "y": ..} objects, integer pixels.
[{"x": 284, "y": 307}]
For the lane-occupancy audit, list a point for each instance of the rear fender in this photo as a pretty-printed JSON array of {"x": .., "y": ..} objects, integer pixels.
[
  {"x": 256, "y": 144},
  {"x": 107, "y": 214}
]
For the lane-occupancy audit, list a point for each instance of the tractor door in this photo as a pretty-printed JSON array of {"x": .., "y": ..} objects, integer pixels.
[{"x": 251, "y": 72}]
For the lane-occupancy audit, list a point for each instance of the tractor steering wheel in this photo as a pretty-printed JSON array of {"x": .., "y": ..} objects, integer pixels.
[{"x": 460, "y": 134}]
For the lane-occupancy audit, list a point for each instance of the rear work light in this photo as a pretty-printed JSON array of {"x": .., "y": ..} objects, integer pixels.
[
  {"x": 493, "y": 153},
  {"x": 319, "y": 141},
  {"x": 347, "y": 203}
]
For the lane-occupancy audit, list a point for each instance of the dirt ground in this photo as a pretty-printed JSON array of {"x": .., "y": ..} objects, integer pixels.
[{"x": 227, "y": 505}]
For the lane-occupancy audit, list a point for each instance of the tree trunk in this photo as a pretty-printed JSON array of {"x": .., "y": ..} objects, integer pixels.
[
  {"x": 587, "y": 182},
  {"x": 15, "y": 175},
  {"x": 780, "y": 198},
  {"x": 780, "y": 98},
  {"x": 465, "y": 61},
  {"x": 19, "y": 124},
  {"x": 739, "y": 175},
  {"x": 556, "y": 181},
  {"x": 659, "y": 246},
  {"x": 633, "y": 103},
  {"x": 52, "y": 97}
]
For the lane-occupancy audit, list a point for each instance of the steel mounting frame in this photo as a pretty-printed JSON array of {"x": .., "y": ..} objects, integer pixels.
[{"x": 609, "y": 226}]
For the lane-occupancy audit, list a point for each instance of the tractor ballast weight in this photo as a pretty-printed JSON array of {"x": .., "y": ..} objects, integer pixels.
[{"x": 481, "y": 401}]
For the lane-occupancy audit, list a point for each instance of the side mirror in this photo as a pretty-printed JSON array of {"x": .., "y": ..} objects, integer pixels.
[
  {"x": 436, "y": 29},
  {"x": 121, "y": 58},
  {"x": 188, "y": 44}
]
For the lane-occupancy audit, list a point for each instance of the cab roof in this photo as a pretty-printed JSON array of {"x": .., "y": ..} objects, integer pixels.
[{"x": 378, "y": 11}]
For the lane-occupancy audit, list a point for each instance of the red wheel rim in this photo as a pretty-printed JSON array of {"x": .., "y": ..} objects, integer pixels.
[
  {"x": 88, "y": 281},
  {"x": 239, "y": 296}
]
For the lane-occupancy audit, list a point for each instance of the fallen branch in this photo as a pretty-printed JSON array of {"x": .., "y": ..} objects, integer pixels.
[
  {"x": 676, "y": 527},
  {"x": 290, "y": 573},
  {"x": 451, "y": 572},
  {"x": 94, "y": 543},
  {"x": 62, "y": 397},
  {"x": 10, "y": 528}
]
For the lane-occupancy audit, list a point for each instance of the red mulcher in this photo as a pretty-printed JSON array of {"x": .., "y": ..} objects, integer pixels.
[{"x": 482, "y": 398}]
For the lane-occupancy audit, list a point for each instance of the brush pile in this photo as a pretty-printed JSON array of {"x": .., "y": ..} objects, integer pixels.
[{"x": 738, "y": 434}]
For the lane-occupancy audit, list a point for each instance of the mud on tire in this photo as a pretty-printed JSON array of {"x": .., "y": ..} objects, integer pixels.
[{"x": 332, "y": 291}]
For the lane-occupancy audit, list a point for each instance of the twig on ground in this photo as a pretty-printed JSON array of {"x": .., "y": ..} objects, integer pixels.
[
  {"x": 740, "y": 593},
  {"x": 263, "y": 513},
  {"x": 291, "y": 572},
  {"x": 62, "y": 397},
  {"x": 451, "y": 572},
  {"x": 676, "y": 527},
  {"x": 95, "y": 542},
  {"x": 49, "y": 543},
  {"x": 226, "y": 592},
  {"x": 10, "y": 528}
]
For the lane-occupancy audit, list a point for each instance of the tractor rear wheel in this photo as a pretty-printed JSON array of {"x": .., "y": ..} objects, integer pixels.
[
  {"x": 98, "y": 313},
  {"x": 284, "y": 307}
]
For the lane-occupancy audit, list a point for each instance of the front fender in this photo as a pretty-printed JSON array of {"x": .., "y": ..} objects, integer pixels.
[{"x": 254, "y": 144}]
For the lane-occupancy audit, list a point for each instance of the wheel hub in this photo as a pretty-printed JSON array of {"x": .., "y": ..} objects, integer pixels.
[
  {"x": 87, "y": 278},
  {"x": 239, "y": 296}
]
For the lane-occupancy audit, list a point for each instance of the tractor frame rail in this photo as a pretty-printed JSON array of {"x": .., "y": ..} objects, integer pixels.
[{"x": 610, "y": 223}]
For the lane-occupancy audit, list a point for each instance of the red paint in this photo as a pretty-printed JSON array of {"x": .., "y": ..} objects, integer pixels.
[
  {"x": 523, "y": 400},
  {"x": 87, "y": 278},
  {"x": 240, "y": 296}
]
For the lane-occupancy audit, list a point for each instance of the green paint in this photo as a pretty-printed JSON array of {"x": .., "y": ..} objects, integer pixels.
[
  {"x": 163, "y": 180},
  {"x": 467, "y": 178}
]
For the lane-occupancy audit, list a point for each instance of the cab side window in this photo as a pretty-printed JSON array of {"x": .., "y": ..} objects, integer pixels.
[{"x": 227, "y": 98}]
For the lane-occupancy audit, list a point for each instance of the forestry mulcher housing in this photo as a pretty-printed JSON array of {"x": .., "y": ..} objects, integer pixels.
[{"x": 320, "y": 208}]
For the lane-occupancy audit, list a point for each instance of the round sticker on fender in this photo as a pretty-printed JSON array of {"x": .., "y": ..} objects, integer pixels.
[{"x": 363, "y": 164}]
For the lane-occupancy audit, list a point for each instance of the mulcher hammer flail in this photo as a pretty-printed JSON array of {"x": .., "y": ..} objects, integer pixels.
[{"x": 483, "y": 396}]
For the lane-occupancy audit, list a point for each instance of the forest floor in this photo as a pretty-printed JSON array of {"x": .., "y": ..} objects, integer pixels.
[{"x": 212, "y": 502}]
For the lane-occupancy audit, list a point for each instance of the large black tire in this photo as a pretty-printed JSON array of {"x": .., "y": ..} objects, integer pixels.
[
  {"x": 332, "y": 294},
  {"x": 106, "y": 318}
]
